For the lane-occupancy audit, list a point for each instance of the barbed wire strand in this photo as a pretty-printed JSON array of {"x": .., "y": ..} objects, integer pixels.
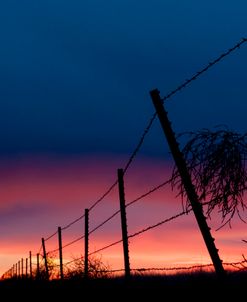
[
  {"x": 73, "y": 222},
  {"x": 74, "y": 241},
  {"x": 104, "y": 222},
  {"x": 103, "y": 196},
  {"x": 159, "y": 223},
  {"x": 140, "y": 142},
  {"x": 40, "y": 249},
  {"x": 175, "y": 268},
  {"x": 92, "y": 206},
  {"x": 188, "y": 267},
  {"x": 148, "y": 193},
  {"x": 199, "y": 73},
  {"x": 46, "y": 239},
  {"x": 172, "y": 268},
  {"x": 105, "y": 247},
  {"x": 74, "y": 260},
  {"x": 52, "y": 251}
]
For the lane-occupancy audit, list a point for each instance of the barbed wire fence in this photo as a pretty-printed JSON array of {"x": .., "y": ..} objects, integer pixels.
[{"x": 44, "y": 264}]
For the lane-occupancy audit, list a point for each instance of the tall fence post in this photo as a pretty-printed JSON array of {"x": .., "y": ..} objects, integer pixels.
[
  {"x": 26, "y": 267},
  {"x": 86, "y": 243},
  {"x": 60, "y": 251},
  {"x": 30, "y": 265},
  {"x": 45, "y": 258},
  {"x": 187, "y": 182},
  {"x": 37, "y": 273},
  {"x": 19, "y": 269},
  {"x": 22, "y": 267},
  {"x": 123, "y": 222}
]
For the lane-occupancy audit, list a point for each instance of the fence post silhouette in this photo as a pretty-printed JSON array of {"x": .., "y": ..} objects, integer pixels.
[
  {"x": 37, "y": 273},
  {"x": 60, "y": 251},
  {"x": 16, "y": 270},
  {"x": 19, "y": 269},
  {"x": 86, "y": 243},
  {"x": 45, "y": 258},
  {"x": 26, "y": 267},
  {"x": 30, "y": 265},
  {"x": 187, "y": 182},
  {"x": 22, "y": 267},
  {"x": 123, "y": 222}
]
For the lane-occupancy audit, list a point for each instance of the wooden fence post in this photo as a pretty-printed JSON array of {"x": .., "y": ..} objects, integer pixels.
[
  {"x": 22, "y": 267},
  {"x": 30, "y": 265},
  {"x": 124, "y": 222},
  {"x": 19, "y": 269},
  {"x": 37, "y": 273},
  {"x": 187, "y": 182},
  {"x": 60, "y": 251},
  {"x": 86, "y": 243},
  {"x": 26, "y": 267},
  {"x": 45, "y": 258}
]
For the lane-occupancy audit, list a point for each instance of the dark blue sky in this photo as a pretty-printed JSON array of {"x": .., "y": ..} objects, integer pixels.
[{"x": 76, "y": 75}]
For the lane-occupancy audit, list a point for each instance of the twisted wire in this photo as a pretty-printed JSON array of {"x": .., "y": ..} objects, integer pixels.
[
  {"x": 74, "y": 241},
  {"x": 73, "y": 222},
  {"x": 46, "y": 239},
  {"x": 199, "y": 73},
  {"x": 140, "y": 142},
  {"x": 105, "y": 247},
  {"x": 104, "y": 222},
  {"x": 148, "y": 193},
  {"x": 159, "y": 223},
  {"x": 175, "y": 268},
  {"x": 103, "y": 196}
]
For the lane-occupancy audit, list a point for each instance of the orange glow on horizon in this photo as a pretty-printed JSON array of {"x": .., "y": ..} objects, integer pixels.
[{"x": 39, "y": 195}]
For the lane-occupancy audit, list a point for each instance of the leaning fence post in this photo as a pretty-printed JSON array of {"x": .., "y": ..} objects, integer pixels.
[
  {"x": 45, "y": 258},
  {"x": 30, "y": 265},
  {"x": 86, "y": 243},
  {"x": 187, "y": 182},
  {"x": 60, "y": 251},
  {"x": 124, "y": 222}
]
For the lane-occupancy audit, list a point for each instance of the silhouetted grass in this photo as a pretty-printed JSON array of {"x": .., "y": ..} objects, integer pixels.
[{"x": 190, "y": 286}]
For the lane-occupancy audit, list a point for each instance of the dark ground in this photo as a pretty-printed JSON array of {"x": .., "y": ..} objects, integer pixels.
[{"x": 189, "y": 287}]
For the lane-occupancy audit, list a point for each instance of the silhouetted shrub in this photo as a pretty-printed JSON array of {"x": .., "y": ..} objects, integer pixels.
[
  {"x": 96, "y": 268},
  {"x": 216, "y": 161}
]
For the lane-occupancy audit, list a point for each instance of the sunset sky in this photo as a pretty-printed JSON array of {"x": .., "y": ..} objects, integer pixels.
[{"x": 74, "y": 102}]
